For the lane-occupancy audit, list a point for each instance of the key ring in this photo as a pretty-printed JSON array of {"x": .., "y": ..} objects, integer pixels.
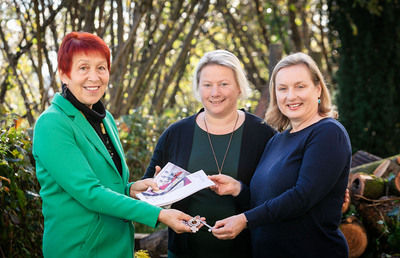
[{"x": 194, "y": 222}]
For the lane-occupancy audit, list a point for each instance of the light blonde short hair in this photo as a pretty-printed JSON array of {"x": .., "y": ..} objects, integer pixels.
[{"x": 227, "y": 59}]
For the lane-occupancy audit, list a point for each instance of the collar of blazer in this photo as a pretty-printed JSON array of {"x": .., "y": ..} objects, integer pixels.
[{"x": 80, "y": 122}]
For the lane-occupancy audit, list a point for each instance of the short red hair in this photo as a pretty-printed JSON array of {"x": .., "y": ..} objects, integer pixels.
[{"x": 77, "y": 42}]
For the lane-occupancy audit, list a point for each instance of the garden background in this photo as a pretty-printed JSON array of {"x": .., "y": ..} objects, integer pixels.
[{"x": 155, "y": 46}]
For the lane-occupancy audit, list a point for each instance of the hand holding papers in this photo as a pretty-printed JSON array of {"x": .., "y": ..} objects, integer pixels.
[{"x": 175, "y": 184}]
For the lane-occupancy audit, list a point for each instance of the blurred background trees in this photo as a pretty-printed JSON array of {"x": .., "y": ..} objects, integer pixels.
[
  {"x": 156, "y": 44},
  {"x": 368, "y": 78}
]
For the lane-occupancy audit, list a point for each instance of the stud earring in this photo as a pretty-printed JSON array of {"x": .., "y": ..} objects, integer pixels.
[{"x": 319, "y": 101}]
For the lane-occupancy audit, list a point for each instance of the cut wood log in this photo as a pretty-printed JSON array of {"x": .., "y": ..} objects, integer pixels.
[
  {"x": 382, "y": 169},
  {"x": 375, "y": 215},
  {"x": 370, "y": 167},
  {"x": 355, "y": 234},
  {"x": 362, "y": 157},
  {"x": 394, "y": 185},
  {"x": 350, "y": 180},
  {"x": 366, "y": 168},
  {"x": 367, "y": 186},
  {"x": 138, "y": 238},
  {"x": 385, "y": 168},
  {"x": 156, "y": 243}
]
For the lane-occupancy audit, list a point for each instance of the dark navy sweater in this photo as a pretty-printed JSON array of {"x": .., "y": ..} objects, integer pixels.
[{"x": 297, "y": 193}]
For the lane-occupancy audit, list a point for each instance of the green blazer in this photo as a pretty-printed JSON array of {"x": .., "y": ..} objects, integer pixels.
[{"x": 86, "y": 205}]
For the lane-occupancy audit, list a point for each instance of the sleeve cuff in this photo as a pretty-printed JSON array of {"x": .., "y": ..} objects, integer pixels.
[
  {"x": 256, "y": 217},
  {"x": 128, "y": 186}
]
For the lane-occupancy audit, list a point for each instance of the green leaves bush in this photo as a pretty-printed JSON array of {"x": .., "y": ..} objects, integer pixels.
[
  {"x": 21, "y": 219},
  {"x": 20, "y": 204},
  {"x": 139, "y": 133}
]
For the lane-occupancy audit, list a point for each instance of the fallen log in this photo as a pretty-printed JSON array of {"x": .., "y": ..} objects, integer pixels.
[
  {"x": 355, "y": 234},
  {"x": 394, "y": 185},
  {"x": 385, "y": 168},
  {"x": 367, "y": 185},
  {"x": 156, "y": 243},
  {"x": 370, "y": 167},
  {"x": 362, "y": 157},
  {"x": 375, "y": 215},
  {"x": 138, "y": 238}
]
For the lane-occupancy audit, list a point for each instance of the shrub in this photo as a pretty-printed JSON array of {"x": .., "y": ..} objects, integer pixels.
[
  {"x": 20, "y": 205},
  {"x": 139, "y": 134}
]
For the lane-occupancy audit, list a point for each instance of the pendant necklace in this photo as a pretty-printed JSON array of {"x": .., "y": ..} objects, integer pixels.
[{"x": 227, "y": 148}]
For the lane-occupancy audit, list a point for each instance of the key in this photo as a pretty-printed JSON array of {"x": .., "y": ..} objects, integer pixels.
[
  {"x": 205, "y": 224},
  {"x": 194, "y": 222}
]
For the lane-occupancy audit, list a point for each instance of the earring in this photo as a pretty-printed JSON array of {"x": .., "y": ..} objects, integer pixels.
[{"x": 319, "y": 101}]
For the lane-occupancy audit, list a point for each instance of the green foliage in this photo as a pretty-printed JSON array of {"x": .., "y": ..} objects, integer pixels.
[
  {"x": 368, "y": 77},
  {"x": 394, "y": 237},
  {"x": 388, "y": 243},
  {"x": 20, "y": 205},
  {"x": 139, "y": 133}
]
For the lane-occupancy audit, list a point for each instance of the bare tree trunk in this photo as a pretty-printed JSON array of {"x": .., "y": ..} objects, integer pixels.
[
  {"x": 182, "y": 56},
  {"x": 145, "y": 68},
  {"x": 120, "y": 62},
  {"x": 247, "y": 40},
  {"x": 43, "y": 95},
  {"x": 295, "y": 35},
  {"x": 261, "y": 23},
  {"x": 275, "y": 54},
  {"x": 4, "y": 86}
]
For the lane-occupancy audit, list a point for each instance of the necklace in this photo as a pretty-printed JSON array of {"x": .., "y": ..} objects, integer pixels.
[{"x": 227, "y": 148}]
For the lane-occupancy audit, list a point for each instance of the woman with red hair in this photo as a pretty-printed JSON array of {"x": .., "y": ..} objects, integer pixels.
[{"x": 88, "y": 204}]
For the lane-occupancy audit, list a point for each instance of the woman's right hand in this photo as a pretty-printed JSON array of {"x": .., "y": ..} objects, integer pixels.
[
  {"x": 141, "y": 186},
  {"x": 225, "y": 185},
  {"x": 175, "y": 220}
]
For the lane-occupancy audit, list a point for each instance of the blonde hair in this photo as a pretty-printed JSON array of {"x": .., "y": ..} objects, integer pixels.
[
  {"x": 227, "y": 59},
  {"x": 274, "y": 116}
]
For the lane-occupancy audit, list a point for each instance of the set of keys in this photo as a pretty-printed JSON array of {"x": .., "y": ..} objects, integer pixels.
[{"x": 194, "y": 222}]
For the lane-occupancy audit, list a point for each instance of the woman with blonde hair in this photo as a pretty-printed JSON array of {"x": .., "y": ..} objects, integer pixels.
[
  {"x": 219, "y": 139},
  {"x": 296, "y": 193}
]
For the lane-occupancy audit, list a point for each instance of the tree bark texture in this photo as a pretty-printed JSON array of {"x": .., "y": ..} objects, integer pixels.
[{"x": 367, "y": 186}]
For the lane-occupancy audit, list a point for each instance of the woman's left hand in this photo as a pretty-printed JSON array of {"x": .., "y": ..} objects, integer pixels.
[
  {"x": 141, "y": 186},
  {"x": 230, "y": 227}
]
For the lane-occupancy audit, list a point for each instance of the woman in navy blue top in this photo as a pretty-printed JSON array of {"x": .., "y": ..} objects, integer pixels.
[{"x": 296, "y": 193}]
